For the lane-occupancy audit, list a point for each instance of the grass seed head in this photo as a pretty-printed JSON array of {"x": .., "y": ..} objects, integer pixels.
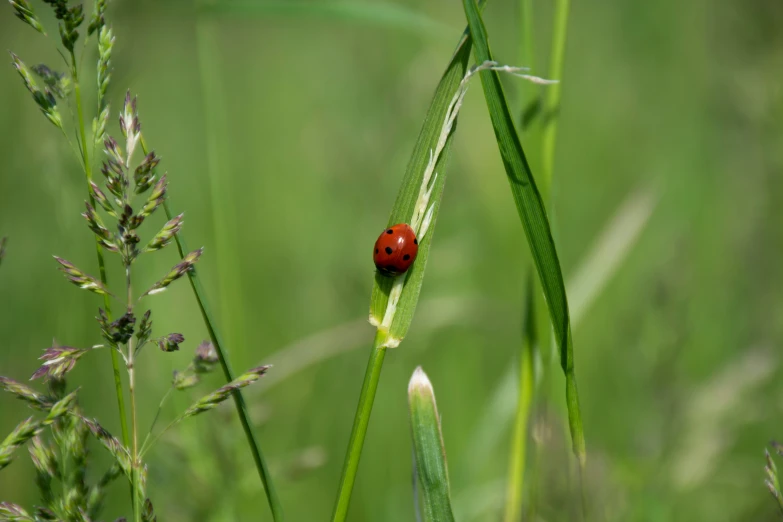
[
  {"x": 58, "y": 83},
  {"x": 221, "y": 394},
  {"x": 43, "y": 98},
  {"x": 148, "y": 514},
  {"x": 176, "y": 272},
  {"x": 171, "y": 342},
  {"x": 33, "y": 398},
  {"x": 80, "y": 279},
  {"x": 145, "y": 329},
  {"x": 184, "y": 380},
  {"x": 155, "y": 198},
  {"x": 120, "y": 453},
  {"x": 122, "y": 329},
  {"x": 97, "y": 22},
  {"x": 13, "y": 513},
  {"x": 102, "y": 200},
  {"x": 95, "y": 223},
  {"x": 130, "y": 125},
  {"x": 23, "y": 432},
  {"x": 45, "y": 463},
  {"x": 144, "y": 175},
  {"x": 58, "y": 360},
  {"x": 24, "y": 11},
  {"x": 166, "y": 234},
  {"x": 206, "y": 357},
  {"x": 72, "y": 17}
]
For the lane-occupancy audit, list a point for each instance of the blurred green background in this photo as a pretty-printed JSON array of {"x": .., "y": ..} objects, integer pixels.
[{"x": 670, "y": 125}]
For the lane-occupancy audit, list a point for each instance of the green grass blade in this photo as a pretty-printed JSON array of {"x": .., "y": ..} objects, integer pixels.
[
  {"x": 534, "y": 220},
  {"x": 551, "y": 105},
  {"x": 431, "y": 468},
  {"x": 228, "y": 373},
  {"x": 516, "y": 468},
  {"x": 402, "y": 212},
  {"x": 239, "y": 401},
  {"x": 404, "y": 206}
]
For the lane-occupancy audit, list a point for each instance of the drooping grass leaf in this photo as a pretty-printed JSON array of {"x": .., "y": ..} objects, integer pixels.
[
  {"x": 228, "y": 373},
  {"x": 431, "y": 469},
  {"x": 534, "y": 219}
]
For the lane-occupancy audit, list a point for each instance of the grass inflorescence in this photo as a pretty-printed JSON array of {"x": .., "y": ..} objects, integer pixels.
[{"x": 131, "y": 192}]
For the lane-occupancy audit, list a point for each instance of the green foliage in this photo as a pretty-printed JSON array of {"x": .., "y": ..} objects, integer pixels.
[
  {"x": 532, "y": 214},
  {"x": 429, "y": 450}
]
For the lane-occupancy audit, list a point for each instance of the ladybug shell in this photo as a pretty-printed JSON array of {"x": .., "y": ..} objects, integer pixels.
[{"x": 395, "y": 250}]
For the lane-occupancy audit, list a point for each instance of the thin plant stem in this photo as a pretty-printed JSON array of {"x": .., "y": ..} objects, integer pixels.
[
  {"x": 135, "y": 463},
  {"x": 87, "y": 165},
  {"x": 239, "y": 400},
  {"x": 516, "y": 469},
  {"x": 551, "y": 114},
  {"x": 527, "y": 55},
  {"x": 359, "y": 430},
  {"x": 551, "y": 107},
  {"x": 155, "y": 420},
  {"x": 515, "y": 482}
]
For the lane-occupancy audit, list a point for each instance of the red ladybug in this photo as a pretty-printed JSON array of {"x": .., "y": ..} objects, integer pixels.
[{"x": 395, "y": 250}]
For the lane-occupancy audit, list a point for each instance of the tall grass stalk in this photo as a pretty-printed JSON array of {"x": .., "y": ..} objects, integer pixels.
[
  {"x": 551, "y": 107},
  {"x": 533, "y": 215},
  {"x": 87, "y": 166},
  {"x": 550, "y": 112},
  {"x": 517, "y": 463},
  {"x": 228, "y": 373},
  {"x": 359, "y": 430}
]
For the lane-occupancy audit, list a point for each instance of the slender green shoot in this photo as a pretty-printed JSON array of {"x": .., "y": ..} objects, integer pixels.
[
  {"x": 87, "y": 166},
  {"x": 534, "y": 219},
  {"x": 429, "y": 450},
  {"x": 516, "y": 469},
  {"x": 217, "y": 340},
  {"x": 359, "y": 430},
  {"x": 551, "y": 106}
]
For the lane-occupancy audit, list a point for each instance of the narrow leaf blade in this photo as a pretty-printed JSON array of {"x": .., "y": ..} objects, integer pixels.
[
  {"x": 429, "y": 451},
  {"x": 534, "y": 219},
  {"x": 404, "y": 206}
]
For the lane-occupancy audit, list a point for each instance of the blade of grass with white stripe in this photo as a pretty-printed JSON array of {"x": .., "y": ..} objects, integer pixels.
[
  {"x": 418, "y": 202},
  {"x": 431, "y": 468},
  {"x": 534, "y": 220}
]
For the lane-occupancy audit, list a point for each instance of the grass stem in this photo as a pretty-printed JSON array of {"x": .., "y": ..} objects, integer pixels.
[
  {"x": 516, "y": 470},
  {"x": 136, "y": 461},
  {"x": 217, "y": 340},
  {"x": 87, "y": 166},
  {"x": 359, "y": 430},
  {"x": 551, "y": 107}
]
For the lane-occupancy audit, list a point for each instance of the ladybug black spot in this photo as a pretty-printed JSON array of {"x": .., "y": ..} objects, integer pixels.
[
  {"x": 390, "y": 231},
  {"x": 376, "y": 250},
  {"x": 388, "y": 250},
  {"x": 415, "y": 241},
  {"x": 406, "y": 257}
]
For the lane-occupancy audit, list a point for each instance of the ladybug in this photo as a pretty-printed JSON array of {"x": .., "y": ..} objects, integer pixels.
[{"x": 395, "y": 250}]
